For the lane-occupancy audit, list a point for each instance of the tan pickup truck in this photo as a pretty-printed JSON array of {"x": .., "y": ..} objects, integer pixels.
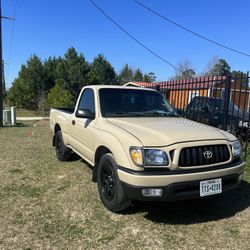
[{"x": 141, "y": 149}]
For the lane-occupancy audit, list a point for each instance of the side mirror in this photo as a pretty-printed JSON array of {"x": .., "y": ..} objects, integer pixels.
[{"x": 85, "y": 113}]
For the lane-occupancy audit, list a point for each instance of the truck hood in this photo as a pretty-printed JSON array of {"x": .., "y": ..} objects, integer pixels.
[{"x": 162, "y": 131}]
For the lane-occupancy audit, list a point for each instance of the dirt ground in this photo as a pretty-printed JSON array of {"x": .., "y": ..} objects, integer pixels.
[{"x": 47, "y": 204}]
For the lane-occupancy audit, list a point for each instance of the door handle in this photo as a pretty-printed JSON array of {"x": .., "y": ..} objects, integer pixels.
[{"x": 73, "y": 122}]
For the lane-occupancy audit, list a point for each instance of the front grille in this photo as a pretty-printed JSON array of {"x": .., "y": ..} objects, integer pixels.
[{"x": 194, "y": 156}]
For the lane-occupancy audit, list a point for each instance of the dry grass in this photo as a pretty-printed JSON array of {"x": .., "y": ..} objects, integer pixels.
[
  {"x": 46, "y": 204},
  {"x": 30, "y": 113}
]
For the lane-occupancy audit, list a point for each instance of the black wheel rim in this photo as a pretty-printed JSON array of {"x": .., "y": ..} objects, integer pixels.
[
  {"x": 59, "y": 146},
  {"x": 107, "y": 182}
]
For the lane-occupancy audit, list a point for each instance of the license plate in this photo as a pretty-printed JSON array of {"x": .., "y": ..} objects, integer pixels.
[{"x": 210, "y": 187}]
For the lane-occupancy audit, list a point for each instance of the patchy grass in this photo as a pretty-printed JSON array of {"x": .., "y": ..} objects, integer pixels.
[
  {"x": 30, "y": 113},
  {"x": 47, "y": 204},
  {"x": 26, "y": 113},
  {"x": 247, "y": 171}
]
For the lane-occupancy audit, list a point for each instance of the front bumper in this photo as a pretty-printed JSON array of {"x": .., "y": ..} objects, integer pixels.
[
  {"x": 178, "y": 191},
  {"x": 178, "y": 185}
]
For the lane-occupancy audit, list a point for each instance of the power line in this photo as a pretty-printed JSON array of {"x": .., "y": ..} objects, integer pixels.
[
  {"x": 132, "y": 37},
  {"x": 8, "y": 18},
  {"x": 191, "y": 31}
]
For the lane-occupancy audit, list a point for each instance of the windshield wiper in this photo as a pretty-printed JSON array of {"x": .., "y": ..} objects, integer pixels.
[
  {"x": 160, "y": 113},
  {"x": 142, "y": 114},
  {"x": 126, "y": 114}
]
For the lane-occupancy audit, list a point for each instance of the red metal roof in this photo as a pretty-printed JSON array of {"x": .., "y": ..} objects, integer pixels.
[
  {"x": 199, "y": 82},
  {"x": 143, "y": 84}
]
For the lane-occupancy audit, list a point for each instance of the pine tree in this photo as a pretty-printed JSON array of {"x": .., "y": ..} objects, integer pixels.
[
  {"x": 126, "y": 75},
  {"x": 101, "y": 72},
  {"x": 59, "y": 97},
  {"x": 27, "y": 88},
  {"x": 138, "y": 76}
]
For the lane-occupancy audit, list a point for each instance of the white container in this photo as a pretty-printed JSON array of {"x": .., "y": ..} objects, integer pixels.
[{"x": 7, "y": 117}]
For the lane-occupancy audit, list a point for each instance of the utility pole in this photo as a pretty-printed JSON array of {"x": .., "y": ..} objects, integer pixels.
[
  {"x": 1, "y": 65},
  {"x": 1, "y": 69},
  {"x": 4, "y": 86}
]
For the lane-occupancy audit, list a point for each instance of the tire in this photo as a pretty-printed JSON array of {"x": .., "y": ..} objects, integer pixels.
[
  {"x": 109, "y": 186},
  {"x": 63, "y": 153}
]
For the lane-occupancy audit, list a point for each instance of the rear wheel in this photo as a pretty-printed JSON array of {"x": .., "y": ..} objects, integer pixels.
[
  {"x": 109, "y": 186},
  {"x": 63, "y": 153}
]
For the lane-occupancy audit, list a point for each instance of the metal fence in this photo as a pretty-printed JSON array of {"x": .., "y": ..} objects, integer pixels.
[{"x": 220, "y": 101}]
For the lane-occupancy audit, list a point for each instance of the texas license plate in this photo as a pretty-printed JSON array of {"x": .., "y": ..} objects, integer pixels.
[{"x": 210, "y": 187}]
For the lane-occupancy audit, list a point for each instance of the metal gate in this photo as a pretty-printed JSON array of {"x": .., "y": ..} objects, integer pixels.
[{"x": 219, "y": 101}]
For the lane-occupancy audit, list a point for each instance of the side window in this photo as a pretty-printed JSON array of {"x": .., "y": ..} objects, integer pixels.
[{"x": 87, "y": 100}]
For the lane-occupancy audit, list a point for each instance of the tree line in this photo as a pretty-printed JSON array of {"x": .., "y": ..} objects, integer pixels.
[
  {"x": 58, "y": 80},
  {"x": 215, "y": 67}
]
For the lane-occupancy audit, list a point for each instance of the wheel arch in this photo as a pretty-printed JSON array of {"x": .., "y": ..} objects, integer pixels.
[
  {"x": 117, "y": 141},
  {"x": 56, "y": 129},
  {"x": 100, "y": 151},
  {"x": 113, "y": 147}
]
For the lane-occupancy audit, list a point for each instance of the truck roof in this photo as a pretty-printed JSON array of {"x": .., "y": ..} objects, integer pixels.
[{"x": 97, "y": 87}]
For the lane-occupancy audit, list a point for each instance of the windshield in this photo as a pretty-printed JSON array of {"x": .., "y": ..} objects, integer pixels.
[
  {"x": 134, "y": 103},
  {"x": 220, "y": 104}
]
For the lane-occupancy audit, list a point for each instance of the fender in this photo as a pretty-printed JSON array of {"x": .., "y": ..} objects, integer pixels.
[{"x": 112, "y": 143}]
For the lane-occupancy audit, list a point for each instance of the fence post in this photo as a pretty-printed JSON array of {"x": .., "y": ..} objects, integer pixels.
[
  {"x": 158, "y": 88},
  {"x": 13, "y": 115},
  {"x": 226, "y": 99}
]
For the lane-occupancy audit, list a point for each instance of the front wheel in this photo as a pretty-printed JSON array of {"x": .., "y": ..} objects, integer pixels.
[{"x": 109, "y": 186}]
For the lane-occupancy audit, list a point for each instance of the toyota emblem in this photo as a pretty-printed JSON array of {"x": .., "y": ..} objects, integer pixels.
[{"x": 207, "y": 154}]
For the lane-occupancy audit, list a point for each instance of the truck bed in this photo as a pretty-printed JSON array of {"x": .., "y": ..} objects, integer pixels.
[
  {"x": 67, "y": 110},
  {"x": 60, "y": 116}
]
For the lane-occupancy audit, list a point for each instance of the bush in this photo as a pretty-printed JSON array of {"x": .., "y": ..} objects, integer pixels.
[{"x": 59, "y": 97}]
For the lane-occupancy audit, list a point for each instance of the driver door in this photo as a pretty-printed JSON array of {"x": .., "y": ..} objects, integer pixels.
[{"x": 82, "y": 129}]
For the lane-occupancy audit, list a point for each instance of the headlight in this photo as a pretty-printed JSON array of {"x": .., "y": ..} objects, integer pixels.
[
  {"x": 236, "y": 149},
  {"x": 155, "y": 157},
  {"x": 148, "y": 157}
]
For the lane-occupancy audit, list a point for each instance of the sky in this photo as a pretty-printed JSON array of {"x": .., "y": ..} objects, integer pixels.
[{"x": 49, "y": 27}]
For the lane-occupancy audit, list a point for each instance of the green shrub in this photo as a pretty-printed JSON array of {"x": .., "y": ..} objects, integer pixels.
[{"x": 59, "y": 97}]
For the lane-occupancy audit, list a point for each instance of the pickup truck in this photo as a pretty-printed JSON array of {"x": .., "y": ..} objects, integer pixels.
[
  {"x": 211, "y": 110},
  {"x": 141, "y": 149}
]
